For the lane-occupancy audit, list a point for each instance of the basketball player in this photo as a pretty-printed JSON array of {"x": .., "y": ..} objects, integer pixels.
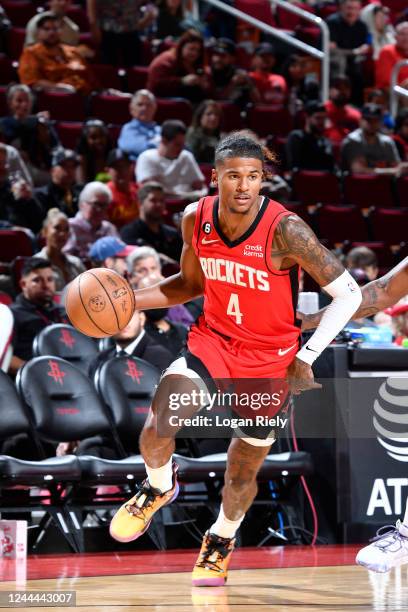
[
  {"x": 248, "y": 330},
  {"x": 391, "y": 548}
]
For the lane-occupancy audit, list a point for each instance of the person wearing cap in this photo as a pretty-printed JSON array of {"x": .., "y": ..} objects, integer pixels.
[
  {"x": 367, "y": 149},
  {"x": 272, "y": 87},
  {"x": 142, "y": 132},
  {"x": 230, "y": 82},
  {"x": 111, "y": 252},
  {"x": 308, "y": 148},
  {"x": 124, "y": 206},
  {"x": 342, "y": 117},
  {"x": 389, "y": 56},
  {"x": 90, "y": 222},
  {"x": 399, "y": 314},
  {"x": 149, "y": 228},
  {"x": 62, "y": 190}
]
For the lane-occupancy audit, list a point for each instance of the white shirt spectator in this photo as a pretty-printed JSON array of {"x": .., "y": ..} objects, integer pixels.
[{"x": 175, "y": 175}]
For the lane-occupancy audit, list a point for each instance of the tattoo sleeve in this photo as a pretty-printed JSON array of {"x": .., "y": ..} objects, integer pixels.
[{"x": 295, "y": 241}]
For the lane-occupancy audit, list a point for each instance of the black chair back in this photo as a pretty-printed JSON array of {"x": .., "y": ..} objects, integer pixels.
[
  {"x": 13, "y": 417},
  {"x": 62, "y": 400},
  {"x": 66, "y": 342},
  {"x": 127, "y": 385}
]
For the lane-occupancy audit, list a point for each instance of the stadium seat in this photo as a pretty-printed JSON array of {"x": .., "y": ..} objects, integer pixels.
[
  {"x": 69, "y": 133},
  {"x": 126, "y": 385},
  {"x": 110, "y": 108},
  {"x": 114, "y": 131},
  {"x": 290, "y": 21},
  {"x": 108, "y": 76},
  {"x": 15, "y": 42},
  {"x": 78, "y": 14},
  {"x": 260, "y": 9},
  {"x": 206, "y": 169},
  {"x": 390, "y": 225},
  {"x": 231, "y": 116},
  {"x": 313, "y": 187},
  {"x": 402, "y": 190},
  {"x": 340, "y": 223},
  {"x": 8, "y": 72},
  {"x": 14, "y": 243},
  {"x": 267, "y": 120},
  {"x": 19, "y": 11},
  {"x": 366, "y": 190},
  {"x": 66, "y": 342},
  {"x": 299, "y": 209},
  {"x": 137, "y": 78},
  {"x": 3, "y": 101},
  {"x": 62, "y": 106},
  {"x": 54, "y": 474},
  {"x": 174, "y": 108}
]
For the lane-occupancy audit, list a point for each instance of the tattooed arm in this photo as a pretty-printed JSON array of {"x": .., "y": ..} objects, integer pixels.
[
  {"x": 295, "y": 243},
  {"x": 377, "y": 295}
]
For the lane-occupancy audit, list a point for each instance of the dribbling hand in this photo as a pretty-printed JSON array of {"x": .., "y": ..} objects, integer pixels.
[{"x": 300, "y": 377}]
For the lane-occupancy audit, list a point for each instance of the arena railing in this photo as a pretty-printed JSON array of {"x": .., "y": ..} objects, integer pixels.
[
  {"x": 323, "y": 56},
  {"x": 395, "y": 89}
]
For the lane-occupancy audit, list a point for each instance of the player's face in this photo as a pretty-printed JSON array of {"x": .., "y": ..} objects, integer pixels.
[{"x": 239, "y": 182}]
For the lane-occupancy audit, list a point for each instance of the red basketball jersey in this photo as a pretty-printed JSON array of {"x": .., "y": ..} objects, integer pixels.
[{"x": 244, "y": 297}]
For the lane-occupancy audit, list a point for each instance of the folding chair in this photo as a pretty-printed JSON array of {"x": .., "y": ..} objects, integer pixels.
[{"x": 65, "y": 341}]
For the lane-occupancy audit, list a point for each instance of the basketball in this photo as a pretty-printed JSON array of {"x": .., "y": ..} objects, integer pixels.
[{"x": 99, "y": 302}]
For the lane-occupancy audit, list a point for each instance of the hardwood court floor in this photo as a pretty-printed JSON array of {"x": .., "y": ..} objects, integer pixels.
[{"x": 277, "y": 578}]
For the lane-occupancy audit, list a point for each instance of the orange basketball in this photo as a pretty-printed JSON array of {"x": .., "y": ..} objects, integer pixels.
[{"x": 99, "y": 302}]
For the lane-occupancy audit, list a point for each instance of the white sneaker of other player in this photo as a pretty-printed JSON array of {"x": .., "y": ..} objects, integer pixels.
[{"x": 387, "y": 549}]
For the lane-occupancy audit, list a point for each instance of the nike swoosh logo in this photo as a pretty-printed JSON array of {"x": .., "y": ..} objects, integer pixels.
[
  {"x": 205, "y": 241},
  {"x": 310, "y": 349},
  {"x": 284, "y": 351}
]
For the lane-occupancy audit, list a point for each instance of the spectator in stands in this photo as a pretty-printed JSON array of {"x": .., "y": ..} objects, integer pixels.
[
  {"x": 381, "y": 32},
  {"x": 116, "y": 28},
  {"x": 33, "y": 309},
  {"x": 349, "y": 45},
  {"x": 110, "y": 252},
  {"x": 272, "y": 87},
  {"x": 134, "y": 340},
  {"x": 228, "y": 81},
  {"x": 399, "y": 321},
  {"x": 172, "y": 165},
  {"x": 343, "y": 118},
  {"x": 149, "y": 228},
  {"x": 15, "y": 164},
  {"x": 163, "y": 331},
  {"x": 124, "y": 207},
  {"x": 62, "y": 190},
  {"x": 69, "y": 31},
  {"x": 55, "y": 232},
  {"x": 93, "y": 149},
  {"x": 309, "y": 149},
  {"x": 204, "y": 133},
  {"x": 50, "y": 65},
  {"x": 389, "y": 56},
  {"x": 380, "y": 97},
  {"x": 141, "y": 132},
  {"x": 366, "y": 149},
  {"x": 169, "y": 23},
  {"x": 5, "y": 26},
  {"x": 145, "y": 261},
  {"x": 179, "y": 71},
  {"x": 17, "y": 204},
  {"x": 32, "y": 134},
  {"x": 364, "y": 259},
  {"x": 90, "y": 222},
  {"x": 302, "y": 88},
  {"x": 400, "y": 136}
]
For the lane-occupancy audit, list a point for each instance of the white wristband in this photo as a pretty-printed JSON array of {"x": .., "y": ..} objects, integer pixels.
[{"x": 346, "y": 299}]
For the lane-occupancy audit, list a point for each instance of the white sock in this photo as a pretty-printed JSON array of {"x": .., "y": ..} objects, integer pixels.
[
  {"x": 224, "y": 527},
  {"x": 403, "y": 529},
  {"x": 161, "y": 478}
]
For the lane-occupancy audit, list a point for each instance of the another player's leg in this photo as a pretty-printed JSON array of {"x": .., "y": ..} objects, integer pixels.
[
  {"x": 388, "y": 549},
  {"x": 240, "y": 489},
  {"x": 156, "y": 446}
]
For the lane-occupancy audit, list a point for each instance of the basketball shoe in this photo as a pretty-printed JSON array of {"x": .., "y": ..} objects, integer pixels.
[
  {"x": 134, "y": 517},
  {"x": 212, "y": 564},
  {"x": 387, "y": 550}
]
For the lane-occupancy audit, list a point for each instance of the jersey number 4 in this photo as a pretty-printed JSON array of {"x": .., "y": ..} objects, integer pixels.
[{"x": 233, "y": 308}]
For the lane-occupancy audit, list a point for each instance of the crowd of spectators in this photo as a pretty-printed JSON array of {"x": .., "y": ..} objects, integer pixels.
[{"x": 113, "y": 197}]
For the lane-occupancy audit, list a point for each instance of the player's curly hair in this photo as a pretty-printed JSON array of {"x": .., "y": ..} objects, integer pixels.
[{"x": 243, "y": 143}]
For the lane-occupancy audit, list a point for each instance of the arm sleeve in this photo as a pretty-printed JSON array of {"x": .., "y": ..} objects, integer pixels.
[{"x": 347, "y": 298}]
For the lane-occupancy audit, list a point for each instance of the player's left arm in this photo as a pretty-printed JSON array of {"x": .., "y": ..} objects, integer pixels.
[{"x": 295, "y": 243}]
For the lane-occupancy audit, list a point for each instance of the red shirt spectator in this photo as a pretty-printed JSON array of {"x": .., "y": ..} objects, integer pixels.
[
  {"x": 389, "y": 56},
  {"x": 342, "y": 117},
  {"x": 272, "y": 87},
  {"x": 124, "y": 206}
]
